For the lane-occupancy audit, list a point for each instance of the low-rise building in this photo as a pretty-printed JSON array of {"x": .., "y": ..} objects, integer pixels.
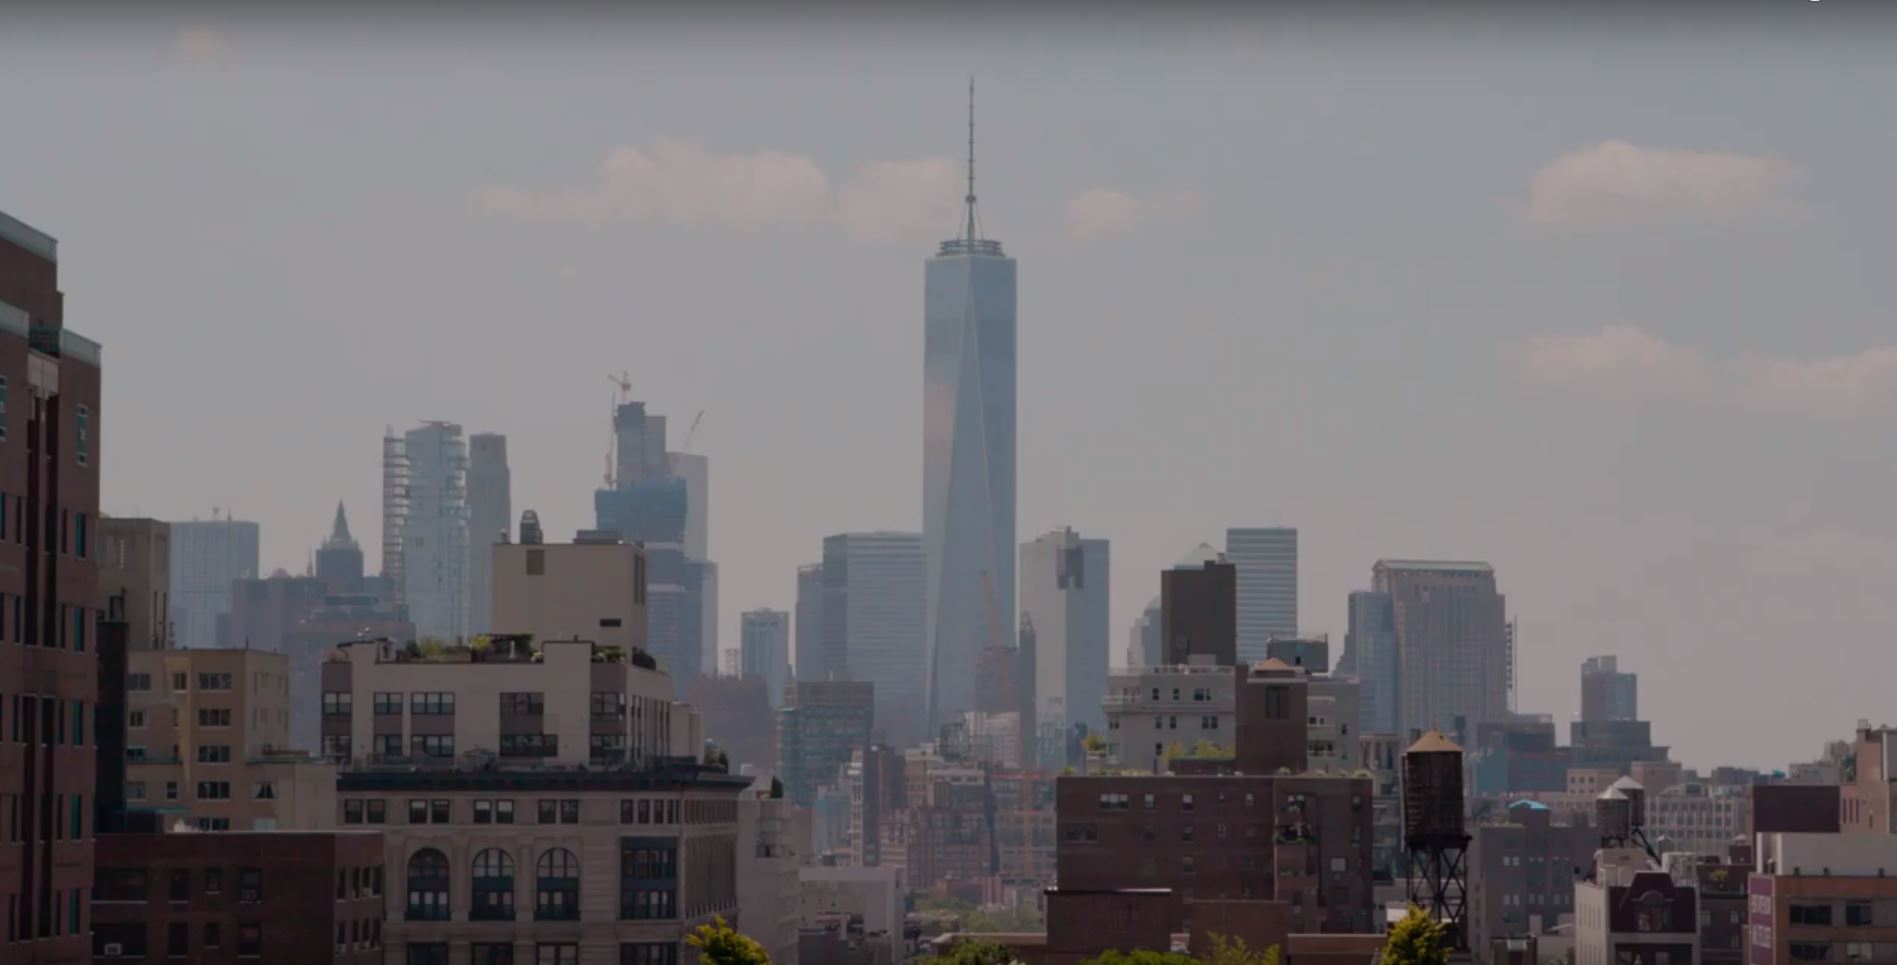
[
  {"x": 1522, "y": 872},
  {"x": 1304, "y": 840},
  {"x": 514, "y": 701},
  {"x": 1823, "y": 898},
  {"x": 773, "y": 843},
  {"x": 281, "y": 896},
  {"x": 1151, "y": 709},
  {"x": 1631, "y": 911},
  {"x": 207, "y": 743},
  {"x": 865, "y": 902},
  {"x": 552, "y": 864}
]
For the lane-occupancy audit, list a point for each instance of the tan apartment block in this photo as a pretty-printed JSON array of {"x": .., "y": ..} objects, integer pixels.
[
  {"x": 594, "y": 590},
  {"x": 514, "y": 701},
  {"x": 207, "y": 743}
]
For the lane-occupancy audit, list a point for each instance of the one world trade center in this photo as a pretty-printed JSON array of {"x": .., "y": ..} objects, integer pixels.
[{"x": 968, "y": 456}]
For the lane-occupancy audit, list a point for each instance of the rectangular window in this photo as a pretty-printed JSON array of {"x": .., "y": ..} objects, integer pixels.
[
  {"x": 504, "y": 812},
  {"x": 213, "y": 880},
  {"x": 250, "y": 884},
  {"x": 78, "y": 723},
  {"x": 560, "y": 954},
  {"x": 377, "y": 812},
  {"x": 523, "y": 704},
  {"x": 82, "y": 435},
  {"x": 439, "y": 746},
  {"x": 642, "y": 904},
  {"x": 649, "y": 953},
  {"x": 427, "y": 953},
  {"x": 388, "y": 703},
  {"x": 138, "y": 682},
  {"x": 492, "y": 953},
  {"x": 214, "y": 716},
  {"x": 179, "y": 888},
  {"x": 336, "y": 747},
  {"x": 338, "y": 704},
  {"x": 604, "y": 749},
  {"x": 214, "y": 754},
  {"x": 214, "y": 790},
  {"x": 386, "y": 746},
  {"x": 438, "y": 811},
  {"x": 436, "y": 704},
  {"x": 79, "y": 534},
  {"x": 135, "y": 790},
  {"x": 3, "y": 438},
  {"x": 530, "y": 745},
  {"x": 214, "y": 681},
  {"x": 609, "y": 704},
  {"x": 417, "y": 811}
]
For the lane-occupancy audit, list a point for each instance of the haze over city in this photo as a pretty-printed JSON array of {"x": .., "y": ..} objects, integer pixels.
[{"x": 1607, "y": 316}]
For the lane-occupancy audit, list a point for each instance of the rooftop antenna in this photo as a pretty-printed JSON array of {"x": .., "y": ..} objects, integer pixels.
[{"x": 972, "y": 232}]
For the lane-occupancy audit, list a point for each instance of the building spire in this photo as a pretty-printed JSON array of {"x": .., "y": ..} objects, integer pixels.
[
  {"x": 971, "y": 231},
  {"x": 339, "y": 529}
]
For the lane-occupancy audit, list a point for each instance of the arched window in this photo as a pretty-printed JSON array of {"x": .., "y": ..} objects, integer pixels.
[
  {"x": 557, "y": 887},
  {"x": 493, "y": 886},
  {"x": 428, "y": 886}
]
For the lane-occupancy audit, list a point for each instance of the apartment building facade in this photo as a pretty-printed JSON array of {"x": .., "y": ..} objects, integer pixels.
[
  {"x": 514, "y": 702},
  {"x": 284, "y": 897},
  {"x": 207, "y": 743},
  {"x": 50, "y": 603}
]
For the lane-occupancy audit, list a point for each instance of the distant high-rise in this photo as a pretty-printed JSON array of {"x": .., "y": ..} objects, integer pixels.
[
  {"x": 339, "y": 559},
  {"x": 435, "y": 533},
  {"x": 394, "y": 508},
  {"x": 1064, "y": 600},
  {"x": 1142, "y": 641},
  {"x": 1267, "y": 561},
  {"x": 1198, "y": 613},
  {"x": 813, "y": 662},
  {"x": 1606, "y": 692},
  {"x": 872, "y": 615},
  {"x": 1452, "y": 643},
  {"x": 968, "y": 455},
  {"x": 696, "y": 471},
  {"x": 764, "y": 649},
  {"x": 1370, "y": 654},
  {"x": 490, "y": 513},
  {"x": 657, "y": 499},
  {"x": 823, "y": 723},
  {"x": 206, "y": 555}
]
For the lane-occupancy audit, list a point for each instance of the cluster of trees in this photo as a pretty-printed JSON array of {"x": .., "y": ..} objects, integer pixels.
[{"x": 1416, "y": 940}]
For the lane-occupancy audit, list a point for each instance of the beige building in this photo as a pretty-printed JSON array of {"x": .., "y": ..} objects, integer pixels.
[
  {"x": 135, "y": 579},
  {"x": 207, "y": 743},
  {"x": 560, "y": 865},
  {"x": 589, "y": 590},
  {"x": 1150, "y": 709},
  {"x": 513, "y": 702},
  {"x": 773, "y": 842}
]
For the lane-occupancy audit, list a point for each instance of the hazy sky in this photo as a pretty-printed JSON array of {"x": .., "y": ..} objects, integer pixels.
[{"x": 1604, "y": 300}]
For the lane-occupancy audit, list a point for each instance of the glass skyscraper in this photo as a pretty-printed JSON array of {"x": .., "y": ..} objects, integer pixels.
[{"x": 968, "y": 411}]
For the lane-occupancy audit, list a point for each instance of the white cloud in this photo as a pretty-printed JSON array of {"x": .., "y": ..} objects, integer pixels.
[
  {"x": 1622, "y": 360},
  {"x": 1617, "y": 359},
  {"x": 1840, "y": 384},
  {"x": 1617, "y": 183},
  {"x": 679, "y": 182},
  {"x": 199, "y": 45},
  {"x": 1102, "y": 212}
]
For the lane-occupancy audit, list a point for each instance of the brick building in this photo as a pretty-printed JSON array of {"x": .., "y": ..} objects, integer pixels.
[
  {"x": 296, "y": 898},
  {"x": 1823, "y": 898},
  {"x": 1301, "y": 839},
  {"x": 50, "y": 604},
  {"x": 1522, "y": 872}
]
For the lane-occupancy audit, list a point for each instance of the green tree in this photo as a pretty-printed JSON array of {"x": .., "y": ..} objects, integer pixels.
[
  {"x": 1094, "y": 744},
  {"x": 1141, "y": 956},
  {"x": 1232, "y": 950},
  {"x": 720, "y": 944},
  {"x": 975, "y": 953},
  {"x": 1417, "y": 940}
]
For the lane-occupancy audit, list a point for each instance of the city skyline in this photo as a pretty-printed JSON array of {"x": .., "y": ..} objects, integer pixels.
[{"x": 1615, "y": 415}]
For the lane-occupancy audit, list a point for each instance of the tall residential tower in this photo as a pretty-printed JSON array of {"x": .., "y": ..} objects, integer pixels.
[
  {"x": 968, "y": 415},
  {"x": 1064, "y": 601}
]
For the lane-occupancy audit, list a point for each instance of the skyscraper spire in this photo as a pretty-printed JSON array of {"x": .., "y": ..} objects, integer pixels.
[
  {"x": 971, "y": 231},
  {"x": 339, "y": 529}
]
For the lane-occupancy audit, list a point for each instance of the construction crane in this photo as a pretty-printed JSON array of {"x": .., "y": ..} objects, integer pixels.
[
  {"x": 624, "y": 383},
  {"x": 692, "y": 432}
]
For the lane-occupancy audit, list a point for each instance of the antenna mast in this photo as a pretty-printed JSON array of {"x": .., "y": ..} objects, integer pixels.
[{"x": 970, "y": 198}]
